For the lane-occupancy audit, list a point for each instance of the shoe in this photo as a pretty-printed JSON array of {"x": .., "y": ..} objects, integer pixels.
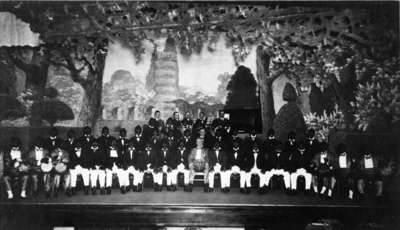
[
  {"x": 168, "y": 187},
  {"x": 205, "y": 189},
  {"x": 160, "y": 188},
  {"x": 93, "y": 191},
  {"x": 102, "y": 191},
  {"x": 73, "y": 191},
  {"x": 248, "y": 190},
  {"x": 10, "y": 195},
  {"x": 190, "y": 188},
  {"x": 139, "y": 188},
  {"x": 174, "y": 188},
  {"x": 86, "y": 190},
  {"x": 134, "y": 188},
  {"x": 23, "y": 194},
  {"x": 108, "y": 191},
  {"x": 242, "y": 190},
  {"x": 227, "y": 190},
  {"x": 260, "y": 191},
  {"x": 123, "y": 190},
  {"x": 156, "y": 188},
  {"x": 210, "y": 189},
  {"x": 68, "y": 192}
]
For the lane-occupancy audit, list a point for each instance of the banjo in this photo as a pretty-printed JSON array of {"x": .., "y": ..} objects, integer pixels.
[{"x": 46, "y": 167}]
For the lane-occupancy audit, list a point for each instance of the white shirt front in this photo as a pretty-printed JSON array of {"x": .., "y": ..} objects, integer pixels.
[
  {"x": 198, "y": 154},
  {"x": 113, "y": 153},
  {"x": 369, "y": 164},
  {"x": 343, "y": 161},
  {"x": 15, "y": 155},
  {"x": 78, "y": 153},
  {"x": 255, "y": 160},
  {"x": 38, "y": 155},
  {"x": 323, "y": 158}
]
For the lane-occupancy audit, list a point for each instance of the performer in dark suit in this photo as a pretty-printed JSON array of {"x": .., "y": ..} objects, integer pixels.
[
  {"x": 250, "y": 140},
  {"x": 300, "y": 163},
  {"x": 291, "y": 145},
  {"x": 53, "y": 141},
  {"x": 345, "y": 170},
  {"x": 270, "y": 144},
  {"x": 70, "y": 142},
  {"x": 138, "y": 140},
  {"x": 369, "y": 172},
  {"x": 312, "y": 144},
  {"x": 130, "y": 164},
  {"x": 86, "y": 139},
  {"x": 200, "y": 122},
  {"x": 322, "y": 166},
  {"x": 97, "y": 167},
  {"x": 113, "y": 165},
  {"x": 236, "y": 157},
  {"x": 122, "y": 141},
  {"x": 219, "y": 163},
  {"x": 187, "y": 122},
  {"x": 183, "y": 163},
  {"x": 278, "y": 166},
  {"x": 15, "y": 168},
  {"x": 105, "y": 139},
  {"x": 219, "y": 122},
  {"x": 255, "y": 164},
  {"x": 148, "y": 163},
  {"x": 79, "y": 164}
]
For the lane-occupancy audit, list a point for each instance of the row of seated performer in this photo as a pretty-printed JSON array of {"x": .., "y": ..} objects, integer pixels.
[{"x": 186, "y": 151}]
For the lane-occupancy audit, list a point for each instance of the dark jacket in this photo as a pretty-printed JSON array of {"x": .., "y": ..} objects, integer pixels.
[
  {"x": 280, "y": 161},
  {"x": 122, "y": 144},
  {"x": 129, "y": 159},
  {"x": 299, "y": 160},
  {"x": 145, "y": 158},
  {"x": 110, "y": 161},
  {"x": 139, "y": 142},
  {"x": 222, "y": 159},
  {"x": 83, "y": 160},
  {"x": 105, "y": 141},
  {"x": 238, "y": 160},
  {"x": 97, "y": 158},
  {"x": 50, "y": 144},
  {"x": 261, "y": 161}
]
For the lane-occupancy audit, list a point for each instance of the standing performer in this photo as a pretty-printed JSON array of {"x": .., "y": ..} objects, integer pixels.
[
  {"x": 79, "y": 165},
  {"x": 97, "y": 167},
  {"x": 198, "y": 161},
  {"x": 138, "y": 140},
  {"x": 86, "y": 139},
  {"x": 218, "y": 162},
  {"x": 200, "y": 122},
  {"x": 300, "y": 163},
  {"x": 122, "y": 141},
  {"x": 312, "y": 145},
  {"x": 105, "y": 139},
  {"x": 35, "y": 157},
  {"x": 53, "y": 141},
  {"x": 15, "y": 169},
  {"x": 113, "y": 165}
]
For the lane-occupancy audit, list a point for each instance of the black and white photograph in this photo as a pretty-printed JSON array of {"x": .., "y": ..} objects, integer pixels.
[{"x": 199, "y": 115}]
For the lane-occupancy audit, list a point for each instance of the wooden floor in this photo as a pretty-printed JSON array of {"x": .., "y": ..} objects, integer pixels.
[{"x": 151, "y": 208}]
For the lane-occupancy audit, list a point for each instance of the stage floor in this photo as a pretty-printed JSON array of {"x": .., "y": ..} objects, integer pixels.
[{"x": 195, "y": 198}]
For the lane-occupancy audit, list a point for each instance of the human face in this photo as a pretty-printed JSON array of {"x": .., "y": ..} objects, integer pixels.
[
  {"x": 157, "y": 115},
  {"x": 202, "y": 133},
  {"x": 199, "y": 143}
]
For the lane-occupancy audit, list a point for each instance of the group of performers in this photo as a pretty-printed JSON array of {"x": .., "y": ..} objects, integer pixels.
[{"x": 192, "y": 148}]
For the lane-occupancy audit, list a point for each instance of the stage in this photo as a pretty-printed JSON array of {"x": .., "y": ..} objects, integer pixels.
[{"x": 274, "y": 210}]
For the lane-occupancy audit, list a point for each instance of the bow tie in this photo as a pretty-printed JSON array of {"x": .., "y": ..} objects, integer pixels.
[{"x": 367, "y": 156}]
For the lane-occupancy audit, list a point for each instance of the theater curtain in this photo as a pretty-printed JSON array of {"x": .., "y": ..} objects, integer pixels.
[{"x": 15, "y": 32}]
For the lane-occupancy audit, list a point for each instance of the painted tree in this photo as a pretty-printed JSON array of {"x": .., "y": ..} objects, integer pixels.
[
  {"x": 33, "y": 62},
  {"x": 242, "y": 90},
  {"x": 84, "y": 58}
]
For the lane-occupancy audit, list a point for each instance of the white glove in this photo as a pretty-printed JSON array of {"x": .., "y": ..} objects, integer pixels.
[
  {"x": 181, "y": 167},
  {"x": 165, "y": 168},
  {"x": 217, "y": 167},
  {"x": 235, "y": 169}
]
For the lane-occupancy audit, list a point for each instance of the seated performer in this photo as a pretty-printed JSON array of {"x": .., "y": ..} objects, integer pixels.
[
  {"x": 15, "y": 169},
  {"x": 167, "y": 165},
  {"x": 218, "y": 162},
  {"x": 122, "y": 141},
  {"x": 113, "y": 164},
  {"x": 87, "y": 139},
  {"x": 35, "y": 157},
  {"x": 345, "y": 170},
  {"x": 128, "y": 163},
  {"x": 200, "y": 122},
  {"x": 255, "y": 164},
  {"x": 300, "y": 163},
  {"x": 250, "y": 140},
  {"x": 369, "y": 172},
  {"x": 236, "y": 166},
  {"x": 183, "y": 164},
  {"x": 312, "y": 145},
  {"x": 198, "y": 162},
  {"x": 147, "y": 164},
  {"x": 291, "y": 145},
  {"x": 97, "y": 167},
  {"x": 278, "y": 165},
  {"x": 322, "y": 166},
  {"x": 60, "y": 160},
  {"x": 79, "y": 165}
]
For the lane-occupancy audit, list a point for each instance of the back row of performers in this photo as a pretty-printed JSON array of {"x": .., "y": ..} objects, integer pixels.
[{"x": 185, "y": 147}]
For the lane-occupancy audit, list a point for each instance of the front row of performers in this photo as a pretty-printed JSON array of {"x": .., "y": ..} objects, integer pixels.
[{"x": 53, "y": 162}]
